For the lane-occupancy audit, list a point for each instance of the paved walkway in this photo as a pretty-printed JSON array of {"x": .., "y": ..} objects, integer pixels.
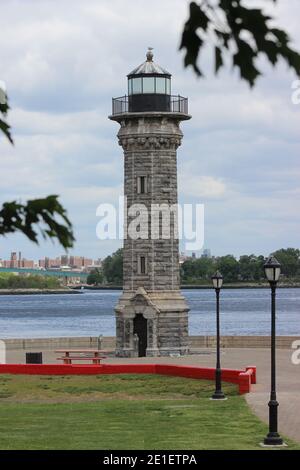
[{"x": 288, "y": 376}]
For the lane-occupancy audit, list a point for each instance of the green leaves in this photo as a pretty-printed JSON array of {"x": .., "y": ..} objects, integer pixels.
[
  {"x": 113, "y": 268},
  {"x": 4, "y": 127},
  {"x": 37, "y": 213},
  {"x": 190, "y": 40},
  {"x": 219, "y": 59},
  {"x": 240, "y": 32},
  {"x": 95, "y": 277},
  {"x": 244, "y": 60}
]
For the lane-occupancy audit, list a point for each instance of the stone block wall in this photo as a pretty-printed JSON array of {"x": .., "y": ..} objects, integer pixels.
[{"x": 150, "y": 142}]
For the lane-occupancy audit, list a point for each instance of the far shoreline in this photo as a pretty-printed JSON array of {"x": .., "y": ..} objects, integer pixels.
[
  {"x": 37, "y": 291},
  {"x": 81, "y": 289},
  {"x": 199, "y": 286}
]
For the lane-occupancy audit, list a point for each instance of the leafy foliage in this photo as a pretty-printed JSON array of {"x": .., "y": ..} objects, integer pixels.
[
  {"x": 242, "y": 33},
  {"x": 113, "y": 267},
  {"x": 229, "y": 268},
  {"x": 249, "y": 268},
  {"x": 32, "y": 281},
  {"x": 199, "y": 268},
  {"x": 95, "y": 277},
  {"x": 4, "y": 127},
  {"x": 289, "y": 259},
  {"x": 37, "y": 213}
]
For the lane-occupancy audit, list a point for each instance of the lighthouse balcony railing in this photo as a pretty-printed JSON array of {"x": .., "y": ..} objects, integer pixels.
[{"x": 143, "y": 103}]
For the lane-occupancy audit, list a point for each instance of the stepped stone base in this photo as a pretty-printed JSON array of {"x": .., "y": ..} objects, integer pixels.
[{"x": 165, "y": 317}]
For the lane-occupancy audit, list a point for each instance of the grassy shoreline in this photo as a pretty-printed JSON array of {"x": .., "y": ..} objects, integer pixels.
[{"x": 37, "y": 291}]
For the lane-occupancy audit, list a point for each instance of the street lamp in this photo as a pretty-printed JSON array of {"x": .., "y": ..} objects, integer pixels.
[
  {"x": 272, "y": 272},
  {"x": 217, "y": 280}
]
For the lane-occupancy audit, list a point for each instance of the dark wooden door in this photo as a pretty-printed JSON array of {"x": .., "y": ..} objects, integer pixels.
[{"x": 140, "y": 329}]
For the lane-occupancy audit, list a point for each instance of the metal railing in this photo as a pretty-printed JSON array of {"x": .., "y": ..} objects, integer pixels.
[
  {"x": 175, "y": 104},
  {"x": 179, "y": 104},
  {"x": 120, "y": 105}
]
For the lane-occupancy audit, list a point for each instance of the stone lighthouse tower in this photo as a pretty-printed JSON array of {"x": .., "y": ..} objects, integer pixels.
[{"x": 152, "y": 314}]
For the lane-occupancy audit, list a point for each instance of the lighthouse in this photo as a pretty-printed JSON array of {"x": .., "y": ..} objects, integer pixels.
[{"x": 152, "y": 313}]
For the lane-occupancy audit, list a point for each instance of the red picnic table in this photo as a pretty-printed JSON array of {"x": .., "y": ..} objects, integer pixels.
[{"x": 69, "y": 355}]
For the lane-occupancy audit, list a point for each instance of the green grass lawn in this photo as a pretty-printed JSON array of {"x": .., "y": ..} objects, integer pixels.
[{"x": 123, "y": 412}]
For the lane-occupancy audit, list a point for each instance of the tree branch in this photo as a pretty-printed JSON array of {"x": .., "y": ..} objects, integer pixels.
[
  {"x": 37, "y": 213},
  {"x": 204, "y": 22}
]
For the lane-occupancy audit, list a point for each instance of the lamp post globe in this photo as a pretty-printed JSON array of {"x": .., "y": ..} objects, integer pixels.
[
  {"x": 272, "y": 273},
  {"x": 217, "y": 280},
  {"x": 272, "y": 269}
]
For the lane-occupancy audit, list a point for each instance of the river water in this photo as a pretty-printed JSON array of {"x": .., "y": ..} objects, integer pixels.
[{"x": 91, "y": 313}]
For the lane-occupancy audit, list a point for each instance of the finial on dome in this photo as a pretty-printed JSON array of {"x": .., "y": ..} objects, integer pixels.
[{"x": 149, "y": 54}]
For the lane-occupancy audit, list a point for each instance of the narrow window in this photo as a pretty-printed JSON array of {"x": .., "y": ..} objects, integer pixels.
[
  {"x": 141, "y": 184},
  {"x": 142, "y": 265}
]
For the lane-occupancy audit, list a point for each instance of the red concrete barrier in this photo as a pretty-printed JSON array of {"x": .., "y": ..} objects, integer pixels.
[
  {"x": 253, "y": 375},
  {"x": 50, "y": 369},
  {"x": 246, "y": 379},
  {"x": 243, "y": 379},
  {"x": 128, "y": 369}
]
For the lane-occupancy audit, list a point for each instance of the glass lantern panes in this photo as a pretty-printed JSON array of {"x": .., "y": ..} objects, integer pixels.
[
  {"x": 148, "y": 84},
  {"x": 160, "y": 85},
  {"x": 136, "y": 85},
  {"x": 168, "y": 86}
]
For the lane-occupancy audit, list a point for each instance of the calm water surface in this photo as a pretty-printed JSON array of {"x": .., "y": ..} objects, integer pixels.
[{"x": 244, "y": 312}]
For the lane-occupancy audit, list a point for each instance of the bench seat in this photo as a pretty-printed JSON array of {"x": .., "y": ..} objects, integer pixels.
[{"x": 69, "y": 359}]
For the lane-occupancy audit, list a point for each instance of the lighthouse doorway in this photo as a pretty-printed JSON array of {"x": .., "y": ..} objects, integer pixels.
[{"x": 140, "y": 329}]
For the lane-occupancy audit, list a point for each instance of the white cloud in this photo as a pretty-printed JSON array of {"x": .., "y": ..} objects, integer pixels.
[{"x": 201, "y": 187}]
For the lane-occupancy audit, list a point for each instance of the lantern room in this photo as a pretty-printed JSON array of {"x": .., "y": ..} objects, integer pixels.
[
  {"x": 149, "y": 87},
  {"x": 149, "y": 90}
]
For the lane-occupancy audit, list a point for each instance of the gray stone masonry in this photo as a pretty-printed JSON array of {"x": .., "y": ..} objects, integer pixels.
[{"x": 150, "y": 142}]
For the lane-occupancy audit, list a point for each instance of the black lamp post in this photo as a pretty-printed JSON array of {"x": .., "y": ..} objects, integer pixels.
[
  {"x": 272, "y": 272},
  {"x": 217, "y": 280}
]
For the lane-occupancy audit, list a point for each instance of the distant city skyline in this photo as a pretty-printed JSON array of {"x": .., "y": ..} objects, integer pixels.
[
  {"x": 17, "y": 256},
  {"x": 17, "y": 260}
]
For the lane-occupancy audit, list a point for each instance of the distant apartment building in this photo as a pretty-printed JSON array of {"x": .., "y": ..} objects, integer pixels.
[
  {"x": 86, "y": 262},
  {"x": 16, "y": 261},
  {"x": 54, "y": 263},
  {"x": 48, "y": 263},
  {"x": 206, "y": 253},
  {"x": 42, "y": 263},
  {"x": 75, "y": 262},
  {"x": 6, "y": 263},
  {"x": 60, "y": 262},
  {"x": 26, "y": 263},
  {"x": 64, "y": 260}
]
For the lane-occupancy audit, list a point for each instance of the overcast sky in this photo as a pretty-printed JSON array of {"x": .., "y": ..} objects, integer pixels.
[{"x": 63, "y": 60}]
